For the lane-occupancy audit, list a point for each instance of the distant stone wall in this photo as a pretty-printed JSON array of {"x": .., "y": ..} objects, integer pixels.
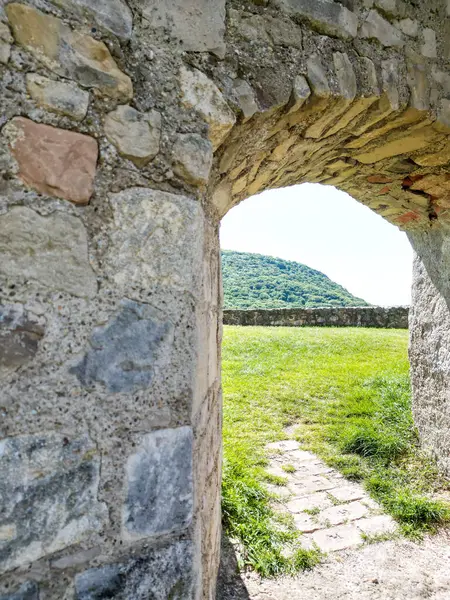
[{"x": 370, "y": 316}]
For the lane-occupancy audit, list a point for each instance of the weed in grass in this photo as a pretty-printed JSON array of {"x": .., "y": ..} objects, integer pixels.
[
  {"x": 348, "y": 389},
  {"x": 312, "y": 511},
  {"x": 275, "y": 479},
  {"x": 289, "y": 468}
]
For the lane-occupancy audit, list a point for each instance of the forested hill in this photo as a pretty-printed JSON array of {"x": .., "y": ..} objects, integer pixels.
[{"x": 257, "y": 281}]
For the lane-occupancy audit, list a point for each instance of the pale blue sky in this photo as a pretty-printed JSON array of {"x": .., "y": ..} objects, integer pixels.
[{"x": 329, "y": 231}]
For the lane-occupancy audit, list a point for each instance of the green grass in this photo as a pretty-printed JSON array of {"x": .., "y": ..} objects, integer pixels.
[{"x": 348, "y": 392}]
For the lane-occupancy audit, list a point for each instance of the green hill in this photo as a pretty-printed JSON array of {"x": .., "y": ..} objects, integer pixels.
[{"x": 258, "y": 281}]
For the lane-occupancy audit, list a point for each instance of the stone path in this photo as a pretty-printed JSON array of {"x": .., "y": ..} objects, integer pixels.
[
  {"x": 331, "y": 512},
  {"x": 337, "y": 515}
]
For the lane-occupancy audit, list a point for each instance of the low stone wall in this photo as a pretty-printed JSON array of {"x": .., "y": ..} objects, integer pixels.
[{"x": 370, "y": 316}]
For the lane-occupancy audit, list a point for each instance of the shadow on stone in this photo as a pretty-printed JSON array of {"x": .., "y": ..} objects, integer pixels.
[{"x": 230, "y": 585}]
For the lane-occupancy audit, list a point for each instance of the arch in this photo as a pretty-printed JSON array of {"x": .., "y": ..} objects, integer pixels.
[{"x": 128, "y": 131}]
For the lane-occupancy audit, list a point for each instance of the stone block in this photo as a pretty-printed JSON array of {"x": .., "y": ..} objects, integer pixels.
[
  {"x": 157, "y": 240},
  {"x": 20, "y": 334},
  {"x": 53, "y": 161},
  {"x": 159, "y": 487},
  {"x": 283, "y": 32},
  {"x": 125, "y": 353},
  {"x": 50, "y": 251},
  {"x": 336, "y": 538},
  {"x": 193, "y": 156},
  {"x": 199, "y": 25},
  {"x": 418, "y": 84},
  {"x": 48, "y": 495},
  {"x": 68, "y": 53},
  {"x": 63, "y": 98},
  {"x": 376, "y": 27},
  {"x": 245, "y": 97},
  {"x": 337, "y": 515},
  {"x": 345, "y": 75},
  {"x": 348, "y": 493},
  {"x": 136, "y": 135},
  {"x": 161, "y": 573},
  {"x": 6, "y": 40},
  {"x": 409, "y": 27},
  {"x": 310, "y": 485},
  {"x": 429, "y": 48},
  {"x": 327, "y": 17},
  {"x": 300, "y": 93},
  {"x": 305, "y": 524},
  {"x": 112, "y": 15},
  {"x": 317, "y": 76},
  {"x": 376, "y": 525},
  {"x": 202, "y": 94},
  {"x": 28, "y": 591}
]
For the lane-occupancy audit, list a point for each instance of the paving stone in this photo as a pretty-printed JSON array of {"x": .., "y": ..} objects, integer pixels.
[
  {"x": 285, "y": 445},
  {"x": 113, "y": 15},
  {"x": 43, "y": 474},
  {"x": 309, "y": 485},
  {"x": 53, "y": 161},
  {"x": 202, "y": 94},
  {"x": 124, "y": 353},
  {"x": 347, "y": 493},
  {"x": 309, "y": 467},
  {"x": 336, "y": 515},
  {"x": 329, "y": 18},
  {"x": 300, "y": 455},
  {"x": 51, "y": 252},
  {"x": 199, "y": 25},
  {"x": 136, "y": 135},
  {"x": 63, "y": 98},
  {"x": 377, "y": 525},
  {"x": 68, "y": 53},
  {"x": 305, "y": 524},
  {"x": 376, "y": 27},
  {"x": 336, "y": 538},
  {"x": 319, "y": 500},
  {"x": 159, "y": 497}
]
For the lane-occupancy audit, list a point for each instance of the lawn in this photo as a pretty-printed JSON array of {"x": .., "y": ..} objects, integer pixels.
[{"x": 347, "y": 390}]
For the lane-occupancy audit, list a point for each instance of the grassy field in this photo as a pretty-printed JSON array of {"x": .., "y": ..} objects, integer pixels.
[{"x": 348, "y": 392}]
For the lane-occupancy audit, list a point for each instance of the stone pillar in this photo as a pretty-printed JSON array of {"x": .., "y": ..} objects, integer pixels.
[{"x": 429, "y": 350}]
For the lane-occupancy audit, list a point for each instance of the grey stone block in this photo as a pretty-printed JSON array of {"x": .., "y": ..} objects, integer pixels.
[
  {"x": 328, "y": 17},
  {"x": 28, "y": 591},
  {"x": 20, "y": 333},
  {"x": 163, "y": 573},
  {"x": 113, "y": 15},
  {"x": 159, "y": 484},
  {"x": 48, "y": 496},
  {"x": 199, "y": 25},
  {"x": 125, "y": 352},
  {"x": 51, "y": 251}
]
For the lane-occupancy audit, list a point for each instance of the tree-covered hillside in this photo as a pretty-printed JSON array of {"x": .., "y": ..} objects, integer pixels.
[{"x": 257, "y": 281}]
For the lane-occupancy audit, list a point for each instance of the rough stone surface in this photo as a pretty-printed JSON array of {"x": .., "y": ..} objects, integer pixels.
[
  {"x": 193, "y": 156},
  {"x": 199, "y": 25},
  {"x": 204, "y": 96},
  {"x": 375, "y": 26},
  {"x": 156, "y": 240},
  {"x": 53, "y": 161},
  {"x": 50, "y": 251},
  {"x": 68, "y": 53},
  {"x": 41, "y": 475},
  {"x": 136, "y": 135},
  {"x": 396, "y": 317},
  {"x": 161, "y": 573},
  {"x": 429, "y": 43},
  {"x": 329, "y": 17},
  {"x": 27, "y": 591},
  {"x": 126, "y": 352},
  {"x": 159, "y": 485},
  {"x": 20, "y": 334},
  {"x": 113, "y": 15},
  {"x": 63, "y": 98},
  {"x": 6, "y": 40}
]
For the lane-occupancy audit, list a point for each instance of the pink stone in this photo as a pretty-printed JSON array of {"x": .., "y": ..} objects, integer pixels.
[{"x": 53, "y": 161}]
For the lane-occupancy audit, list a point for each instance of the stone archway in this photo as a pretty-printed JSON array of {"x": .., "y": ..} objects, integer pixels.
[{"x": 128, "y": 130}]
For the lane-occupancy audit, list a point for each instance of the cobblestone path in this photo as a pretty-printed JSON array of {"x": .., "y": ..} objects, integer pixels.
[
  {"x": 330, "y": 511},
  {"x": 338, "y": 516}
]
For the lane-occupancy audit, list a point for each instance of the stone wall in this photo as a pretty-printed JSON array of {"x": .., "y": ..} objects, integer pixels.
[
  {"x": 395, "y": 317},
  {"x": 127, "y": 130}
]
